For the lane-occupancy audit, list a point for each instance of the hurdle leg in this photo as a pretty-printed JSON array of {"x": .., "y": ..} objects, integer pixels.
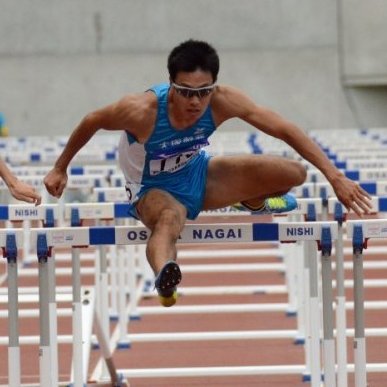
[
  {"x": 314, "y": 313},
  {"x": 97, "y": 277},
  {"x": 133, "y": 299},
  {"x": 328, "y": 318},
  {"x": 359, "y": 339},
  {"x": 61, "y": 202},
  {"x": 103, "y": 296},
  {"x": 13, "y": 327},
  {"x": 52, "y": 312},
  {"x": 77, "y": 366},
  {"x": 122, "y": 310},
  {"x": 114, "y": 289},
  {"x": 304, "y": 323},
  {"x": 147, "y": 271},
  {"x": 291, "y": 265},
  {"x": 113, "y": 277},
  {"x": 88, "y": 310},
  {"x": 341, "y": 338},
  {"x": 104, "y": 345},
  {"x": 324, "y": 210},
  {"x": 45, "y": 360},
  {"x": 26, "y": 242},
  {"x": 291, "y": 252}
]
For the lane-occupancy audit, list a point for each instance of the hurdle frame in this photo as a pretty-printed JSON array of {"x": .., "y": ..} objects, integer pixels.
[
  {"x": 10, "y": 241},
  {"x": 76, "y": 237}
]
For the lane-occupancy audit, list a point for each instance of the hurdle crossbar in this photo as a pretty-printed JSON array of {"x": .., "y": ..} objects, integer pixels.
[{"x": 192, "y": 233}]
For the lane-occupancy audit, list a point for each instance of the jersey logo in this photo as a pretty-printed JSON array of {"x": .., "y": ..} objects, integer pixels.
[{"x": 170, "y": 164}]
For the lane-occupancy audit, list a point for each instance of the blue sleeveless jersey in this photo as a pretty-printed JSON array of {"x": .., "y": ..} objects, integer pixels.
[{"x": 167, "y": 153}]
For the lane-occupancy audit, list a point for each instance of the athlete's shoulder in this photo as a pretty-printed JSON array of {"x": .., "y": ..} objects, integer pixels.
[
  {"x": 229, "y": 102},
  {"x": 226, "y": 93},
  {"x": 134, "y": 113},
  {"x": 138, "y": 102}
]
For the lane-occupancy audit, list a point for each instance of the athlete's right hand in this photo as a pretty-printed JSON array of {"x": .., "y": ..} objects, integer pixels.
[
  {"x": 55, "y": 182},
  {"x": 22, "y": 191}
]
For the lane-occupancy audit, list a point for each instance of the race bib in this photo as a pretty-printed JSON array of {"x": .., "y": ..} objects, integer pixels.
[{"x": 170, "y": 164}]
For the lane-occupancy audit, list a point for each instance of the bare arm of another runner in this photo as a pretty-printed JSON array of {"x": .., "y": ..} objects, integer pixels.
[{"x": 18, "y": 189}]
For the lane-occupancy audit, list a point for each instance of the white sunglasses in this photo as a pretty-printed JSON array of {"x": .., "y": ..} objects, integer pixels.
[{"x": 189, "y": 92}]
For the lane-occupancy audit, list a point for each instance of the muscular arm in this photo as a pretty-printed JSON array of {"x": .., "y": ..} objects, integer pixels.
[
  {"x": 79, "y": 137},
  {"x": 274, "y": 125},
  {"x": 132, "y": 113},
  {"x": 126, "y": 114},
  {"x": 231, "y": 103}
]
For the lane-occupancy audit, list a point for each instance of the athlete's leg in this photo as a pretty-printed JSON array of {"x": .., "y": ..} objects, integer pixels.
[
  {"x": 165, "y": 217},
  {"x": 249, "y": 178}
]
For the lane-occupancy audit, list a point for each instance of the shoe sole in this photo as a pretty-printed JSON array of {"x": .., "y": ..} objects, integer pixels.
[{"x": 168, "y": 278}]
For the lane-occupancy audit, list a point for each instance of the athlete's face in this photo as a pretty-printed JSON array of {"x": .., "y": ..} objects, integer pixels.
[{"x": 192, "y": 91}]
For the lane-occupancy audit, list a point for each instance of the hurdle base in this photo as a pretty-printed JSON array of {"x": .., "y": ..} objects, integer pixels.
[
  {"x": 98, "y": 384},
  {"x": 299, "y": 341},
  {"x": 121, "y": 383},
  {"x": 308, "y": 377},
  {"x": 123, "y": 345}
]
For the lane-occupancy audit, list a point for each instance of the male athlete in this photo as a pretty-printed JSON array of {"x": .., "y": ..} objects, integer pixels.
[{"x": 171, "y": 178}]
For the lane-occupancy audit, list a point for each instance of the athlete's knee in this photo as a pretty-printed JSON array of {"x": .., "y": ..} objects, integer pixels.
[
  {"x": 169, "y": 219},
  {"x": 298, "y": 172}
]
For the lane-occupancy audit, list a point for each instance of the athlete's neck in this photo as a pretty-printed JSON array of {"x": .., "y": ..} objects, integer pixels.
[
  {"x": 183, "y": 119},
  {"x": 179, "y": 120}
]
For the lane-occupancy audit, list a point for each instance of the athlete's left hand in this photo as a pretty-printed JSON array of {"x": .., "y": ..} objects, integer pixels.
[{"x": 352, "y": 196}]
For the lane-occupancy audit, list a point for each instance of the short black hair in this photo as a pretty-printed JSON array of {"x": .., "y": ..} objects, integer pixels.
[{"x": 192, "y": 55}]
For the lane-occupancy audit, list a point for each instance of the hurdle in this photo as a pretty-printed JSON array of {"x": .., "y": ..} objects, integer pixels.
[
  {"x": 77, "y": 237},
  {"x": 191, "y": 310},
  {"x": 304, "y": 206},
  {"x": 316, "y": 207},
  {"x": 84, "y": 316},
  {"x": 10, "y": 241},
  {"x": 84, "y": 182},
  {"x": 46, "y": 214},
  {"x": 23, "y": 151},
  {"x": 119, "y": 197},
  {"x": 77, "y": 213},
  {"x": 75, "y": 182},
  {"x": 360, "y": 232},
  {"x": 46, "y": 297},
  {"x": 145, "y": 338},
  {"x": 109, "y": 194}
]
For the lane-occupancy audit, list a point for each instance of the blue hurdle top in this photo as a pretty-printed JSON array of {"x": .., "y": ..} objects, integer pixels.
[
  {"x": 47, "y": 213},
  {"x": 192, "y": 233}
]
